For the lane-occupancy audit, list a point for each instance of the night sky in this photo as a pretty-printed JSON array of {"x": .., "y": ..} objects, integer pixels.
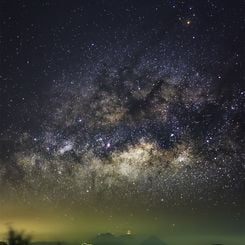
[{"x": 123, "y": 115}]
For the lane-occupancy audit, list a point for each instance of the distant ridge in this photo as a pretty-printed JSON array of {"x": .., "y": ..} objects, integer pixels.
[{"x": 153, "y": 240}]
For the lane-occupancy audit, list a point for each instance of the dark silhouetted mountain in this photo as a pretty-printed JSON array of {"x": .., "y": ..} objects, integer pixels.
[
  {"x": 48, "y": 243},
  {"x": 106, "y": 239},
  {"x": 127, "y": 239},
  {"x": 3, "y": 243},
  {"x": 153, "y": 241}
]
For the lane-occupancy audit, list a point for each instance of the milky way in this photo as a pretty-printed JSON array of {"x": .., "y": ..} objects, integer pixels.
[{"x": 156, "y": 115}]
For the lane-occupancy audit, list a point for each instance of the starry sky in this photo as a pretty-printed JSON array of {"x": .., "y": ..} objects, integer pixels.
[{"x": 119, "y": 112}]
